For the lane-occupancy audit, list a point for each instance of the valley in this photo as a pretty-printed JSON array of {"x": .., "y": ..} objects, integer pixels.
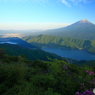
[{"x": 61, "y": 42}]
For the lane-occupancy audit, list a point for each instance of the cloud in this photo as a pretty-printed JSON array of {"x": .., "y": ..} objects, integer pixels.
[
  {"x": 50, "y": 2},
  {"x": 78, "y": 1},
  {"x": 75, "y": 2},
  {"x": 65, "y": 2},
  {"x": 42, "y": 2}
]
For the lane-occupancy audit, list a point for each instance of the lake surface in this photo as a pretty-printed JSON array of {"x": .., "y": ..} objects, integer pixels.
[
  {"x": 8, "y": 42},
  {"x": 75, "y": 54}
]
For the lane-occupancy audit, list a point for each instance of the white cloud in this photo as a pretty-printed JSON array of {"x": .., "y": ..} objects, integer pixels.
[
  {"x": 65, "y": 2},
  {"x": 78, "y": 1}
]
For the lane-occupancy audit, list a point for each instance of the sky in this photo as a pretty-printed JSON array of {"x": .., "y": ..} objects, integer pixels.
[{"x": 44, "y": 14}]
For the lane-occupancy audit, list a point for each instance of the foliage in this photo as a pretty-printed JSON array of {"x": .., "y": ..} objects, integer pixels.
[
  {"x": 2, "y": 53},
  {"x": 30, "y": 54},
  {"x": 19, "y": 76},
  {"x": 85, "y": 63}
]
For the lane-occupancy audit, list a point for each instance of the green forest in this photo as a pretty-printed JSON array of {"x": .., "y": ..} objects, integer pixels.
[
  {"x": 19, "y": 76},
  {"x": 30, "y": 54},
  {"x": 61, "y": 42}
]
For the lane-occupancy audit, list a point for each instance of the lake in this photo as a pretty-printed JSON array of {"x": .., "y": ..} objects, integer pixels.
[{"x": 75, "y": 54}]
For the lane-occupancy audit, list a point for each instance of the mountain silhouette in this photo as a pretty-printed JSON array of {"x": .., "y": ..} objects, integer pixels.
[
  {"x": 82, "y": 29},
  {"x": 18, "y": 41}
]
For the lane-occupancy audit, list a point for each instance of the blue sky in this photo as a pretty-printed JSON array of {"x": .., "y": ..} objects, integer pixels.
[{"x": 44, "y": 14}]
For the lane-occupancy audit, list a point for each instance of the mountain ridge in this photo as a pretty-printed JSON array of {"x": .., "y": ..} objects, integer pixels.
[
  {"x": 16, "y": 40},
  {"x": 82, "y": 29},
  {"x": 61, "y": 42},
  {"x": 30, "y": 54}
]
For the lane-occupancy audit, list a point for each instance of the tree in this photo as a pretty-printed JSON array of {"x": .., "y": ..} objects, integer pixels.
[{"x": 2, "y": 53}]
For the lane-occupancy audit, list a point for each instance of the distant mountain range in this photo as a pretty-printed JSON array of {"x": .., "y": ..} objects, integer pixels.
[{"x": 82, "y": 29}]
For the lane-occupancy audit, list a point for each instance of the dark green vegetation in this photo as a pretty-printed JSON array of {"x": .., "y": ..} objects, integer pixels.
[
  {"x": 60, "y": 42},
  {"x": 78, "y": 30},
  {"x": 30, "y": 54},
  {"x": 19, "y": 76},
  {"x": 83, "y": 63}
]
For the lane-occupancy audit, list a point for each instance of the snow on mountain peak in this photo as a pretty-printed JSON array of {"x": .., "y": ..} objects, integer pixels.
[{"x": 84, "y": 21}]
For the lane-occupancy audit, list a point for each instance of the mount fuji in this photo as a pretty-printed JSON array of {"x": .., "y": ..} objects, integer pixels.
[{"x": 82, "y": 29}]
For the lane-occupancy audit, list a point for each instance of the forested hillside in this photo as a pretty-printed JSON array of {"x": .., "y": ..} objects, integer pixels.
[
  {"x": 30, "y": 54},
  {"x": 61, "y": 42}
]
